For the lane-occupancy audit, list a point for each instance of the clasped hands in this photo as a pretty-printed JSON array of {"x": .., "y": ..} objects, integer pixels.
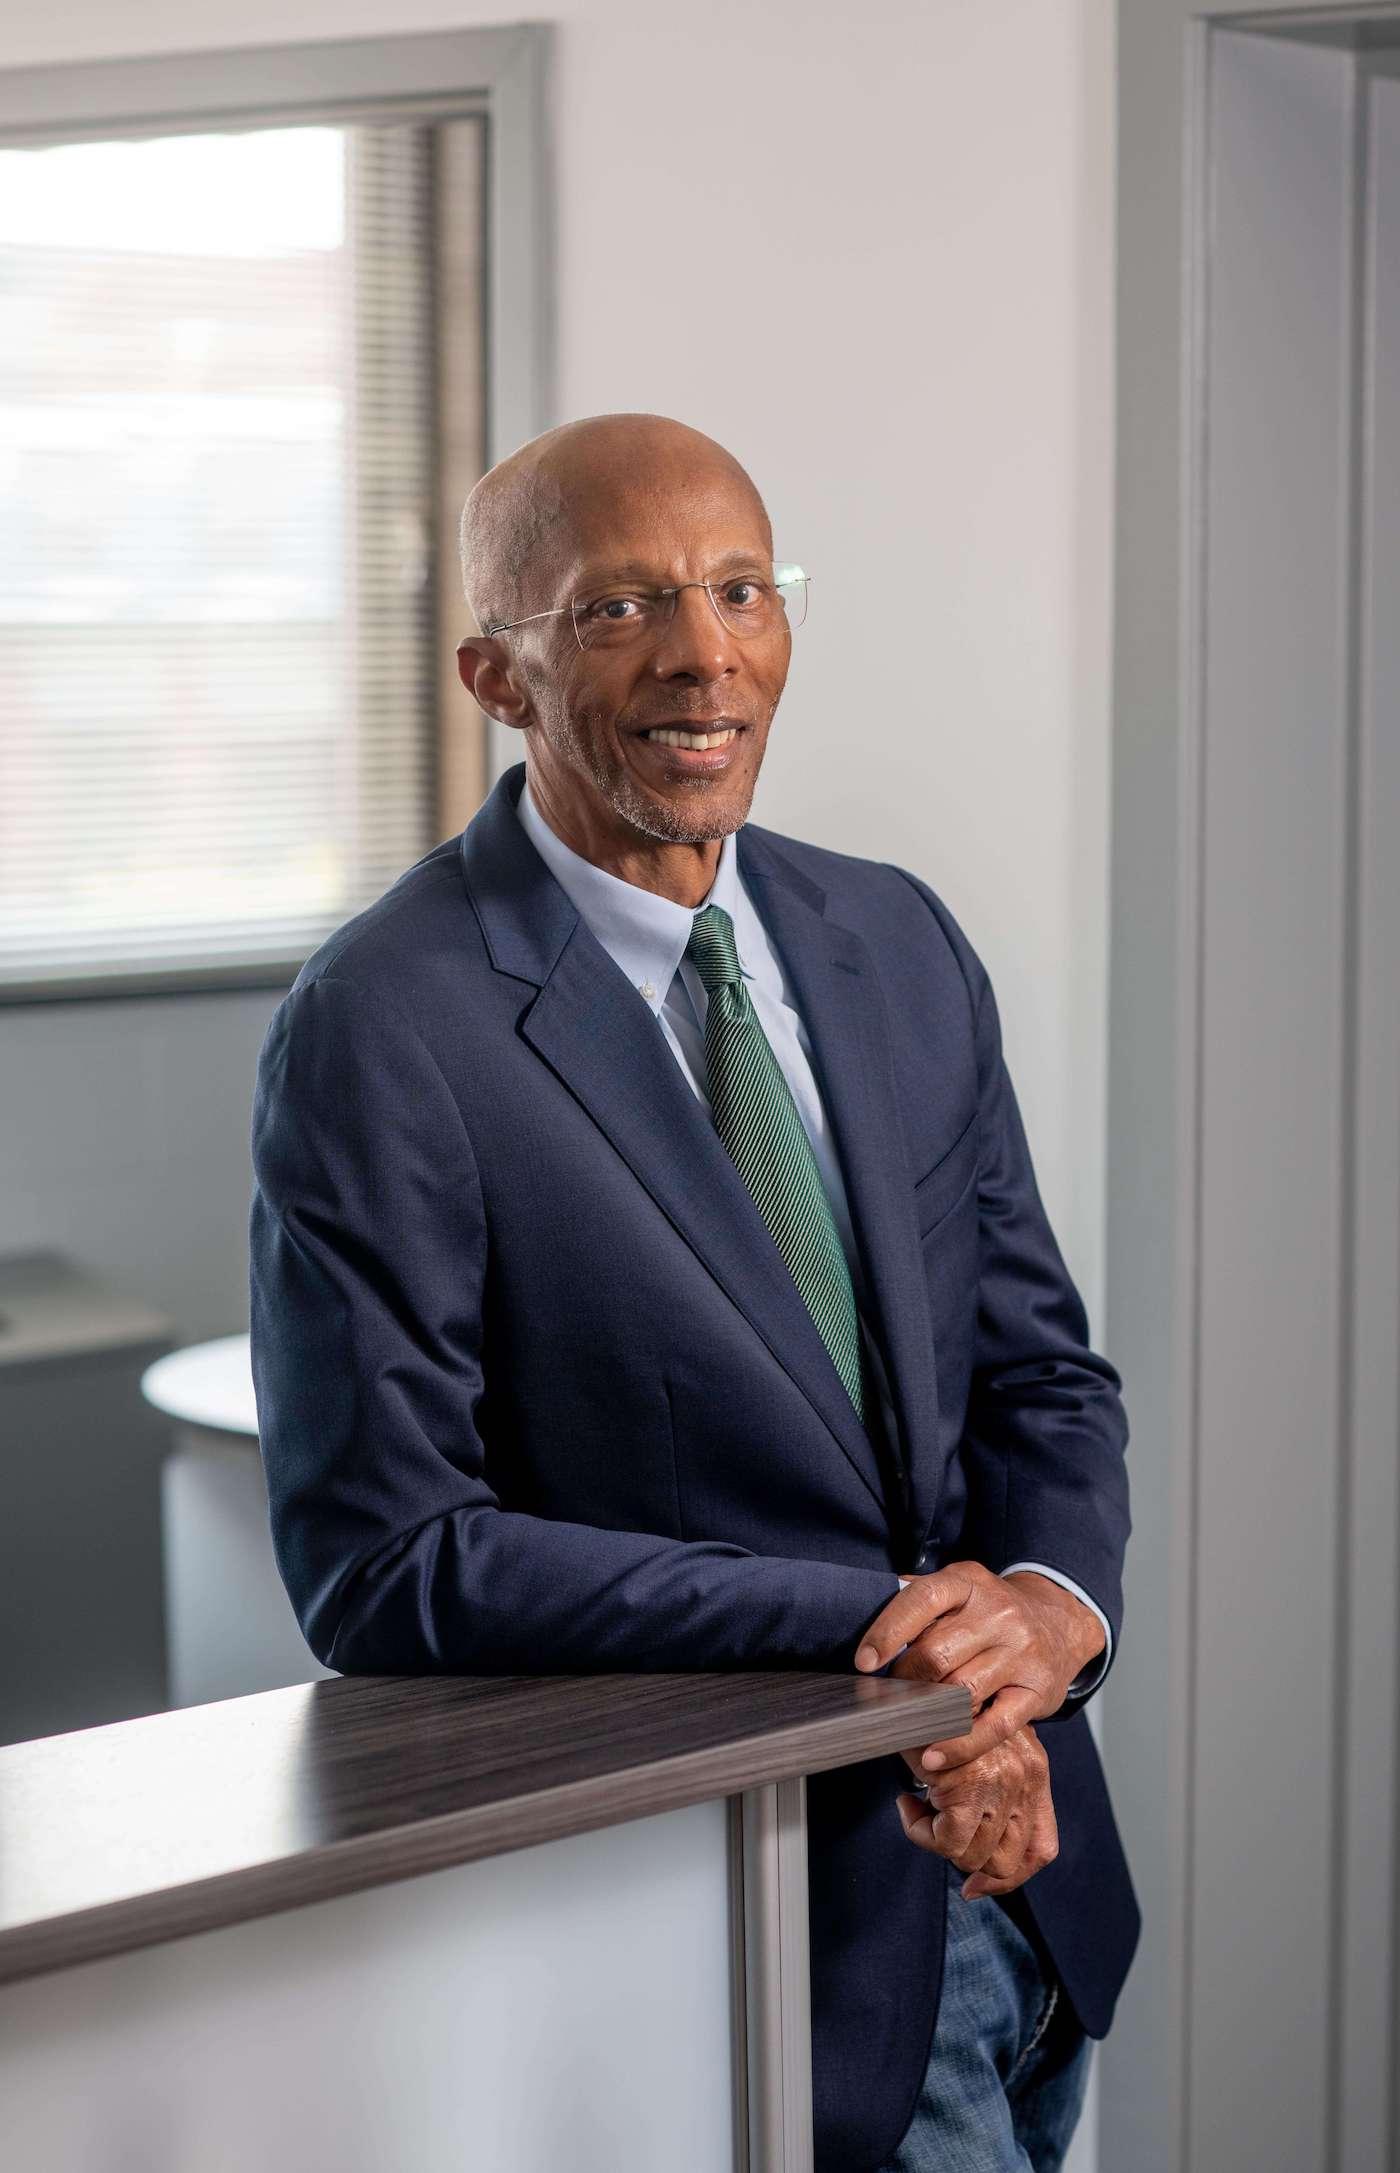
[{"x": 1016, "y": 1643}]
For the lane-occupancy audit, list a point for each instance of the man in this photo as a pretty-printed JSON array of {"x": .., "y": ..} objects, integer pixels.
[{"x": 648, "y": 1273}]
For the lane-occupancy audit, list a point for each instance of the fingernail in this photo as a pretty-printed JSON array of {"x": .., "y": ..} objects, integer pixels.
[
  {"x": 933, "y": 1758},
  {"x": 867, "y": 1656}
]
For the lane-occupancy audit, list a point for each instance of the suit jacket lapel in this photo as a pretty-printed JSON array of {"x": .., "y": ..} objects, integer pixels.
[
  {"x": 601, "y": 1039},
  {"x": 836, "y": 989}
]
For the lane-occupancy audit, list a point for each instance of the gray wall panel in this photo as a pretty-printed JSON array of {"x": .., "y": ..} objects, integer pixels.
[
  {"x": 1364, "y": 2110},
  {"x": 1274, "y": 886}
]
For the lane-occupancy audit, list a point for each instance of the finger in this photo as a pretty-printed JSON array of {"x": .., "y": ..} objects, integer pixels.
[
  {"x": 1042, "y": 1847},
  {"x": 956, "y": 1833},
  {"x": 990, "y": 1621},
  {"x": 914, "y": 1760},
  {"x": 960, "y": 1641},
  {"x": 966, "y": 1833},
  {"x": 1006, "y": 1855},
  {"x": 977, "y": 1666},
  {"x": 921, "y": 1602},
  {"x": 1044, "y": 1843},
  {"x": 992, "y": 1668},
  {"x": 1014, "y": 1776},
  {"x": 917, "y": 1821},
  {"x": 1009, "y": 1710},
  {"x": 1002, "y": 1781},
  {"x": 981, "y": 1845}
]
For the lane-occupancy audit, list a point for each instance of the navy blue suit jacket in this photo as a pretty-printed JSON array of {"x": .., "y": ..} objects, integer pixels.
[{"x": 537, "y": 1394}]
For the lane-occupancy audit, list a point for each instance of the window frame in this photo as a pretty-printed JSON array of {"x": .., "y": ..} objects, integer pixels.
[{"x": 498, "y": 74}]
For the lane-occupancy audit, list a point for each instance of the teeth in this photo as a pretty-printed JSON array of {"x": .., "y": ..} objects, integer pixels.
[{"x": 691, "y": 739}]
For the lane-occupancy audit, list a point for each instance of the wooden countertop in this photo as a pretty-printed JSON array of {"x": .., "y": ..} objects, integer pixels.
[{"x": 120, "y": 1837}]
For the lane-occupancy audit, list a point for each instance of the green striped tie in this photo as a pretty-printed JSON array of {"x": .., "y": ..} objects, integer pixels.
[{"x": 757, "y": 1120}]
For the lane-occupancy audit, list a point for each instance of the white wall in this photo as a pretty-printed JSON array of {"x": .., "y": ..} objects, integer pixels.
[{"x": 868, "y": 247}]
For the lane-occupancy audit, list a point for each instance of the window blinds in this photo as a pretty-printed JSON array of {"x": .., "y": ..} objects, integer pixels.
[{"x": 217, "y": 681}]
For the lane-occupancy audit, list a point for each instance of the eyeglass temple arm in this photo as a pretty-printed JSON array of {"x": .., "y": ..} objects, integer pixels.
[{"x": 503, "y": 626}]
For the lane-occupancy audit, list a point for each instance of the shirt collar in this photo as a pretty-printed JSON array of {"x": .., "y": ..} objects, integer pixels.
[{"x": 644, "y": 934}]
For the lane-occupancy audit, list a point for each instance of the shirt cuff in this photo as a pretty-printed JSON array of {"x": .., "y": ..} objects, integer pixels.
[
  {"x": 903, "y": 1581},
  {"x": 1090, "y": 1676}
]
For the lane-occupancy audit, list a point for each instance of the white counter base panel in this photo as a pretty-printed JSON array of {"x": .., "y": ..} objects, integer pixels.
[{"x": 564, "y": 2007}]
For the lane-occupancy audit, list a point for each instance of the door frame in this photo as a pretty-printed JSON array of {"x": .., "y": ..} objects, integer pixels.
[{"x": 1159, "y": 1065}]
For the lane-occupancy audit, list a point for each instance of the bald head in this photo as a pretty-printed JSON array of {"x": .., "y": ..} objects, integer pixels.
[
  {"x": 643, "y": 741},
  {"x": 561, "y": 495}
]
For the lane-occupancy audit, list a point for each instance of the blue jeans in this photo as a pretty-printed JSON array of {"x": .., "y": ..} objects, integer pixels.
[{"x": 1005, "y": 2081}]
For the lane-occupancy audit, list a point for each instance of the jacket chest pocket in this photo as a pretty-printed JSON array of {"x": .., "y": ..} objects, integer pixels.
[{"x": 942, "y": 1188}]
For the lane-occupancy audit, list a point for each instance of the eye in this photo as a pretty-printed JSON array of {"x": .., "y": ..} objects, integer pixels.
[
  {"x": 617, "y": 610},
  {"x": 745, "y": 593}
]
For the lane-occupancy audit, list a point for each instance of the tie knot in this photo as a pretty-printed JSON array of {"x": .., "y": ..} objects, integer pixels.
[{"x": 712, "y": 947}]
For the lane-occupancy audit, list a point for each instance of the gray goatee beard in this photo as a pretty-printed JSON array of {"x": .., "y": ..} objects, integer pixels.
[
  {"x": 675, "y": 825},
  {"x": 672, "y": 825}
]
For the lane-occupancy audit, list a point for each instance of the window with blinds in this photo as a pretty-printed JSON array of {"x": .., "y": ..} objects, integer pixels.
[{"x": 220, "y": 686}]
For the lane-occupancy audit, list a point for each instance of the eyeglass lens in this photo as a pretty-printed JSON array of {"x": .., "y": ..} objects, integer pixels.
[{"x": 749, "y": 604}]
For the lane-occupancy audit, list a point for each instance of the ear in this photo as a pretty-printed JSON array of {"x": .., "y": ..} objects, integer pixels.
[{"x": 487, "y": 672}]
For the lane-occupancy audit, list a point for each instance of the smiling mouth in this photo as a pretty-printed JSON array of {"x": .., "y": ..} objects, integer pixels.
[
  {"x": 718, "y": 734},
  {"x": 698, "y": 741}
]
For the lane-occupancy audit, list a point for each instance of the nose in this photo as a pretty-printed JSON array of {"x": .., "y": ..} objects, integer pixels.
[{"x": 696, "y": 643}]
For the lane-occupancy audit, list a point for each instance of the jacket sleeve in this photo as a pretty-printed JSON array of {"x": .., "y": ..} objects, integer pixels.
[
  {"x": 368, "y": 1253},
  {"x": 1045, "y": 1433}
]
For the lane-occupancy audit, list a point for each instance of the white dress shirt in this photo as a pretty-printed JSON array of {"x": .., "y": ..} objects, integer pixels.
[{"x": 646, "y": 936}]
